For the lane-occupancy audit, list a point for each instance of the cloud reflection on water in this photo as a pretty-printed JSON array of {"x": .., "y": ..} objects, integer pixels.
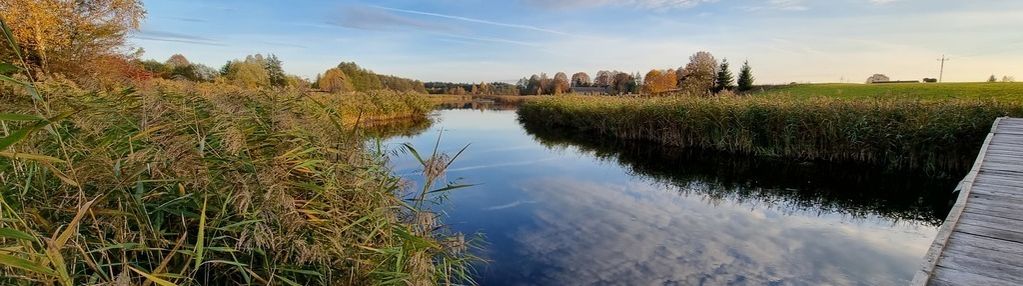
[{"x": 589, "y": 233}]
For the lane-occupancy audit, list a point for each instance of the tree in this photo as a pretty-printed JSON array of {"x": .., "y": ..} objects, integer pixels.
[
  {"x": 992, "y": 79},
  {"x": 1008, "y": 79},
  {"x": 603, "y": 79},
  {"x": 699, "y": 74},
  {"x": 333, "y": 81},
  {"x": 250, "y": 72},
  {"x": 581, "y": 79},
  {"x": 745, "y": 77},
  {"x": 534, "y": 86},
  {"x": 362, "y": 79},
  {"x": 622, "y": 83},
  {"x": 547, "y": 83},
  {"x": 561, "y": 84},
  {"x": 724, "y": 79},
  {"x": 177, "y": 60},
  {"x": 658, "y": 81},
  {"x": 275, "y": 72},
  {"x": 69, "y": 37}
]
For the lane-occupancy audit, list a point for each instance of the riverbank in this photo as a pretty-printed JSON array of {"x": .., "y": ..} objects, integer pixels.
[
  {"x": 202, "y": 183},
  {"x": 939, "y": 137}
]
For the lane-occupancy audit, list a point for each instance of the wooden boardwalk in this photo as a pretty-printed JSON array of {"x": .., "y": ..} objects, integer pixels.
[{"x": 981, "y": 241}]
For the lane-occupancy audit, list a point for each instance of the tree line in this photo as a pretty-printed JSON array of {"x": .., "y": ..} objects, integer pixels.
[
  {"x": 348, "y": 76},
  {"x": 703, "y": 75},
  {"x": 483, "y": 88}
]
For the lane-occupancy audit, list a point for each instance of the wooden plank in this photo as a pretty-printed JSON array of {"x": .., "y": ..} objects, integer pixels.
[
  {"x": 992, "y": 221},
  {"x": 995, "y": 213},
  {"x": 984, "y": 254},
  {"x": 966, "y": 239},
  {"x": 983, "y": 267},
  {"x": 1007, "y": 197},
  {"x": 988, "y": 202},
  {"x": 951, "y": 277},
  {"x": 967, "y": 227}
]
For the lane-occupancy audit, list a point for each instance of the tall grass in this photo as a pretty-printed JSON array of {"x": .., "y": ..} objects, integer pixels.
[
  {"x": 203, "y": 184},
  {"x": 940, "y": 137}
]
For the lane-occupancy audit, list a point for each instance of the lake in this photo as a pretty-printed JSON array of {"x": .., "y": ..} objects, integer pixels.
[{"x": 555, "y": 208}]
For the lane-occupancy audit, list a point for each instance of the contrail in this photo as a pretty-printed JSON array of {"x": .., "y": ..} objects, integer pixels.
[{"x": 480, "y": 21}]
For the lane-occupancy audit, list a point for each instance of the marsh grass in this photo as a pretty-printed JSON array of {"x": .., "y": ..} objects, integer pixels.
[
  {"x": 203, "y": 184},
  {"x": 939, "y": 137}
]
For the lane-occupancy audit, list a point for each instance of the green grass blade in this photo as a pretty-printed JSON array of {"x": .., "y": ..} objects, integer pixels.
[
  {"x": 16, "y": 234},
  {"x": 23, "y": 264},
  {"x": 202, "y": 235},
  {"x": 19, "y": 117}
]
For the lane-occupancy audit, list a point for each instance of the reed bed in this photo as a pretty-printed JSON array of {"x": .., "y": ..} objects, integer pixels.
[
  {"x": 203, "y": 184},
  {"x": 939, "y": 137}
]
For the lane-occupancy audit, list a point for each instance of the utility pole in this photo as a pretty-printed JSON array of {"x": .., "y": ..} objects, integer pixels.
[{"x": 941, "y": 72}]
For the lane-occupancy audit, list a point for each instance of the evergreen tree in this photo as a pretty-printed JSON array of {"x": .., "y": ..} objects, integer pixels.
[
  {"x": 992, "y": 79},
  {"x": 724, "y": 78},
  {"x": 745, "y": 77},
  {"x": 275, "y": 72}
]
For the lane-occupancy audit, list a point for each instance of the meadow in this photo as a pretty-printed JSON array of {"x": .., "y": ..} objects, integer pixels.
[
  {"x": 1000, "y": 91},
  {"x": 181, "y": 183},
  {"x": 940, "y": 137}
]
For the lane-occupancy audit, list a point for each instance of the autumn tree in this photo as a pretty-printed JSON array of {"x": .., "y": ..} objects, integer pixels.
[
  {"x": 622, "y": 83},
  {"x": 603, "y": 79},
  {"x": 699, "y": 74},
  {"x": 724, "y": 78},
  {"x": 69, "y": 37},
  {"x": 561, "y": 83},
  {"x": 581, "y": 79},
  {"x": 659, "y": 81},
  {"x": 250, "y": 73},
  {"x": 177, "y": 60},
  {"x": 333, "y": 81},
  {"x": 745, "y": 77}
]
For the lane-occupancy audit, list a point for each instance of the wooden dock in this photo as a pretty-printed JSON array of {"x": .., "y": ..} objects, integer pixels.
[{"x": 981, "y": 241}]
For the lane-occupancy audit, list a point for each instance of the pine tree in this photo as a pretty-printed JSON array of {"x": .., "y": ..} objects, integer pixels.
[
  {"x": 724, "y": 78},
  {"x": 276, "y": 72},
  {"x": 745, "y": 77}
]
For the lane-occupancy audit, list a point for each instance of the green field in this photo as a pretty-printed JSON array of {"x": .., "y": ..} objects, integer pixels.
[{"x": 1000, "y": 91}]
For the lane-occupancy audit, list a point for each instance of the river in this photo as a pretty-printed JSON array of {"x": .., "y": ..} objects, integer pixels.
[{"x": 554, "y": 208}]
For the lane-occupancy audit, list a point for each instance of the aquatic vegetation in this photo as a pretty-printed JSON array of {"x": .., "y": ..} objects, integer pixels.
[
  {"x": 180, "y": 183},
  {"x": 940, "y": 137}
]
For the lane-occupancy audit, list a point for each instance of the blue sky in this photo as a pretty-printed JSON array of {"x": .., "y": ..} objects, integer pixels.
[{"x": 487, "y": 40}]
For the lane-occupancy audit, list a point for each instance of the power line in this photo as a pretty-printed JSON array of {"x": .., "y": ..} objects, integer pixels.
[{"x": 941, "y": 71}]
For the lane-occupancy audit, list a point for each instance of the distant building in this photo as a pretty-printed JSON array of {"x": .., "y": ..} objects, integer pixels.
[
  {"x": 930, "y": 80},
  {"x": 589, "y": 90},
  {"x": 877, "y": 78}
]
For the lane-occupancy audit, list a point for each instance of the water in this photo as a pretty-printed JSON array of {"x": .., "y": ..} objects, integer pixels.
[{"x": 560, "y": 209}]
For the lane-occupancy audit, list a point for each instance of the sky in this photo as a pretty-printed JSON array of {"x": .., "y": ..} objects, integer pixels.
[{"x": 488, "y": 40}]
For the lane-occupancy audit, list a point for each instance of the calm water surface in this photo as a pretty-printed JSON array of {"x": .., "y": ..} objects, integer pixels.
[{"x": 559, "y": 209}]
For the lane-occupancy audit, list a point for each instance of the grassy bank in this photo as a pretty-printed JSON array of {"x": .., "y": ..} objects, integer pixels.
[
  {"x": 923, "y": 91},
  {"x": 185, "y": 184},
  {"x": 940, "y": 137}
]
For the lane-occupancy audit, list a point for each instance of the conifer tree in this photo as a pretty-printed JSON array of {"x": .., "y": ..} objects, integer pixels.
[
  {"x": 724, "y": 78},
  {"x": 745, "y": 77}
]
